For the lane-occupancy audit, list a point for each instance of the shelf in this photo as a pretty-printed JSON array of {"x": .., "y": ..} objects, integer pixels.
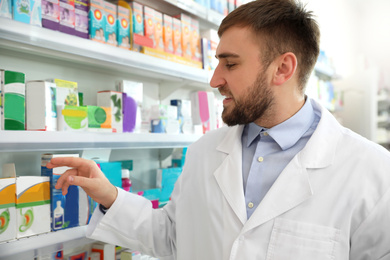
[
  {"x": 30, "y": 247},
  {"x": 43, "y": 42},
  {"x": 324, "y": 71},
  {"x": 17, "y": 141}
]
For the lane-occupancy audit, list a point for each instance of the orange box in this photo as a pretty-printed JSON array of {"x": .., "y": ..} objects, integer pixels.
[
  {"x": 176, "y": 36},
  {"x": 167, "y": 33},
  {"x": 195, "y": 41},
  {"x": 186, "y": 35},
  {"x": 158, "y": 30},
  {"x": 149, "y": 23}
]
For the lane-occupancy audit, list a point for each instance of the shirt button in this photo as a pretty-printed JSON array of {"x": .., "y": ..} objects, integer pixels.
[
  {"x": 265, "y": 134},
  {"x": 250, "y": 205},
  {"x": 260, "y": 159}
]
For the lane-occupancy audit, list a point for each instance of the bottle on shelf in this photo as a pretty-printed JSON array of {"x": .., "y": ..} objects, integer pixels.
[{"x": 126, "y": 183}]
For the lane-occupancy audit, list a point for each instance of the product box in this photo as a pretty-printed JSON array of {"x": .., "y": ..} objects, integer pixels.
[
  {"x": 110, "y": 23},
  {"x": 32, "y": 205},
  {"x": 41, "y": 109},
  {"x": 167, "y": 33},
  {"x": 113, "y": 172},
  {"x": 186, "y": 35},
  {"x": 81, "y": 18},
  {"x": 72, "y": 118},
  {"x": 99, "y": 119},
  {"x": 7, "y": 209},
  {"x": 149, "y": 24},
  {"x": 67, "y": 92},
  {"x": 138, "y": 18},
  {"x": 51, "y": 14},
  {"x": 176, "y": 34},
  {"x": 200, "y": 110},
  {"x": 6, "y": 8},
  {"x": 210, "y": 42},
  {"x": 64, "y": 210},
  {"x": 183, "y": 114},
  {"x": 86, "y": 207},
  {"x": 195, "y": 41},
  {"x": 164, "y": 119},
  {"x": 158, "y": 31},
  {"x": 106, "y": 251},
  {"x": 132, "y": 104},
  {"x": 13, "y": 91},
  {"x": 27, "y": 11},
  {"x": 123, "y": 27},
  {"x": 97, "y": 21},
  {"x": 113, "y": 100},
  {"x": 165, "y": 180},
  {"x": 67, "y": 17}
]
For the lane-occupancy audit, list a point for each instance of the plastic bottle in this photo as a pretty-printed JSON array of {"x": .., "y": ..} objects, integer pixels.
[
  {"x": 58, "y": 216},
  {"x": 126, "y": 183}
]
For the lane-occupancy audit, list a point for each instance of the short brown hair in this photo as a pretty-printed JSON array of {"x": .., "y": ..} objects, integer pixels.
[{"x": 284, "y": 26}]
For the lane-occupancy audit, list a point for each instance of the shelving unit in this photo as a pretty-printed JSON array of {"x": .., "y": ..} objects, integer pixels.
[{"x": 30, "y": 247}]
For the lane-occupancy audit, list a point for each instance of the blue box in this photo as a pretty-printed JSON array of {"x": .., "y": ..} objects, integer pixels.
[{"x": 28, "y": 11}]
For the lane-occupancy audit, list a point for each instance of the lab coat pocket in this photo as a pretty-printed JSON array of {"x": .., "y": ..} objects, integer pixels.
[{"x": 291, "y": 239}]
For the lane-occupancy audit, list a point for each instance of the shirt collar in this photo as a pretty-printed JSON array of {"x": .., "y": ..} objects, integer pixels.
[{"x": 287, "y": 133}]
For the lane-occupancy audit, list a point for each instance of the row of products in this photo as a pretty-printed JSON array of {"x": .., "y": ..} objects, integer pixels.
[
  {"x": 56, "y": 104},
  {"x": 126, "y": 25}
]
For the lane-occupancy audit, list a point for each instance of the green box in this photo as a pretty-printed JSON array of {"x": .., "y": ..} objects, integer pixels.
[{"x": 13, "y": 100}]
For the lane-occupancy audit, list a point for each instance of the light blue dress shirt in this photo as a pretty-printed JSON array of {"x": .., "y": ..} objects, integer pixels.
[{"x": 266, "y": 152}]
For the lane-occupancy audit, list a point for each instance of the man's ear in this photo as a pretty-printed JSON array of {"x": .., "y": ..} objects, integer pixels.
[{"x": 285, "y": 67}]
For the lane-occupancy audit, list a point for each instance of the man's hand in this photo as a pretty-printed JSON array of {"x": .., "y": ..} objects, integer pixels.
[{"x": 87, "y": 175}]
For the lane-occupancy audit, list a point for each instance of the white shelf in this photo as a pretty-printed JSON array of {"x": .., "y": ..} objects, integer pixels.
[
  {"x": 30, "y": 247},
  {"x": 42, "y": 141},
  {"x": 39, "y": 41}
]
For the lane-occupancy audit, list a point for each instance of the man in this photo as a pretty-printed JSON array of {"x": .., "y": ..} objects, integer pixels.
[{"x": 284, "y": 181}]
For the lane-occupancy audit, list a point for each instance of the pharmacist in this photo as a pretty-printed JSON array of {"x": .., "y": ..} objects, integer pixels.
[{"x": 284, "y": 181}]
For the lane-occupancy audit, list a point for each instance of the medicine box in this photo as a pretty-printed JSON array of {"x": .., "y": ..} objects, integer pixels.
[
  {"x": 67, "y": 92},
  {"x": 167, "y": 33},
  {"x": 6, "y": 8},
  {"x": 32, "y": 205},
  {"x": 97, "y": 21},
  {"x": 86, "y": 207},
  {"x": 176, "y": 34},
  {"x": 81, "y": 18},
  {"x": 13, "y": 91},
  {"x": 113, "y": 172},
  {"x": 165, "y": 180},
  {"x": 195, "y": 41},
  {"x": 112, "y": 100},
  {"x": 99, "y": 119},
  {"x": 7, "y": 209},
  {"x": 186, "y": 35},
  {"x": 138, "y": 18},
  {"x": 110, "y": 23},
  {"x": 67, "y": 17},
  {"x": 72, "y": 118},
  {"x": 64, "y": 210},
  {"x": 123, "y": 27},
  {"x": 51, "y": 14},
  {"x": 149, "y": 24},
  {"x": 41, "y": 110},
  {"x": 27, "y": 11},
  {"x": 158, "y": 31}
]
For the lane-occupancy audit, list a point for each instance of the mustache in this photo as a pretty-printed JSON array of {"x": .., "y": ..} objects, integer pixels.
[{"x": 224, "y": 91}]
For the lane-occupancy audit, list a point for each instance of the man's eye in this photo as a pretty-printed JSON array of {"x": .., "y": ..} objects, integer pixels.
[{"x": 230, "y": 65}]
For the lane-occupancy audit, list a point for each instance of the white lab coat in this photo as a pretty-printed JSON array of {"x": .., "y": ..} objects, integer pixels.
[{"x": 332, "y": 201}]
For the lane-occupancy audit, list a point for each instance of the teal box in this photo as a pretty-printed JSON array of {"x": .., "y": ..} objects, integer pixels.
[
  {"x": 6, "y": 8},
  {"x": 96, "y": 20},
  {"x": 123, "y": 27},
  {"x": 28, "y": 11},
  {"x": 166, "y": 179},
  {"x": 113, "y": 172},
  {"x": 110, "y": 23}
]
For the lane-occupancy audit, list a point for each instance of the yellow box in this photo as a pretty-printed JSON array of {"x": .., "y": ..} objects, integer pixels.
[
  {"x": 167, "y": 33},
  {"x": 158, "y": 31},
  {"x": 7, "y": 209}
]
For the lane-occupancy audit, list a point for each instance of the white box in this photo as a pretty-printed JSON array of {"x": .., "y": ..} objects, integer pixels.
[
  {"x": 112, "y": 99},
  {"x": 132, "y": 89},
  {"x": 7, "y": 209},
  {"x": 41, "y": 111}
]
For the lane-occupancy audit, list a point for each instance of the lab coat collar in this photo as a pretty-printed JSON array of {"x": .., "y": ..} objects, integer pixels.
[{"x": 292, "y": 186}]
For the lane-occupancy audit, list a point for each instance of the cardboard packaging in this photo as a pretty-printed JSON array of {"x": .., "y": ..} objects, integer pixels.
[
  {"x": 27, "y": 11},
  {"x": 106, "y": 251},
  {"x": 64, "y": 210},
  {"x": 99, "y": 119},
  {"x": 195, "y": 41},
  {"x": 186, "y": 35},
  {"x": 7, "y": 209},
  {"x": 32, "y": 205},
  {"x": 176, "y": 36},
  {"x": 13, "y": 91},
  {"x": 67, "y": 92},
  {"x": 110, "y": 23},
  {"x": 72, "y": 118},
  {"x": 97, "y": 21},
  {"x": 112, "y": 100},
  {"x": 67, "y": 17},
  {"x": 123, "y": 27},
  {"x": 51, "y": 14},
  {"x": 149, "y": 24},
  {"x": 41, "y": 109},
  {"x": 138, "y": 18},
  {"x": 158, "y": 31},
  {"x": 6, "y": 9},
  {"x": 81, "y": 25},
  {"x": 183, "y": 115},
  {"x": 203, "y": 110},
  {"x": 132, "y": 104},
  {"x": 165, "y": 180},
  {"x": 167, "y": 33}
]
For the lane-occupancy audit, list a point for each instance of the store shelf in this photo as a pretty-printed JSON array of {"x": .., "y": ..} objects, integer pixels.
[
  {"x": 324, "y": 71},
  {"x": 30, "y": 247},
  {"x": 39, "y": 41},
  {"x": 14, "y": 141}
]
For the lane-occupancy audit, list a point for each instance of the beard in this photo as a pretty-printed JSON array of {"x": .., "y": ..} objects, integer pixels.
[{"x": 252, "y": 106}]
